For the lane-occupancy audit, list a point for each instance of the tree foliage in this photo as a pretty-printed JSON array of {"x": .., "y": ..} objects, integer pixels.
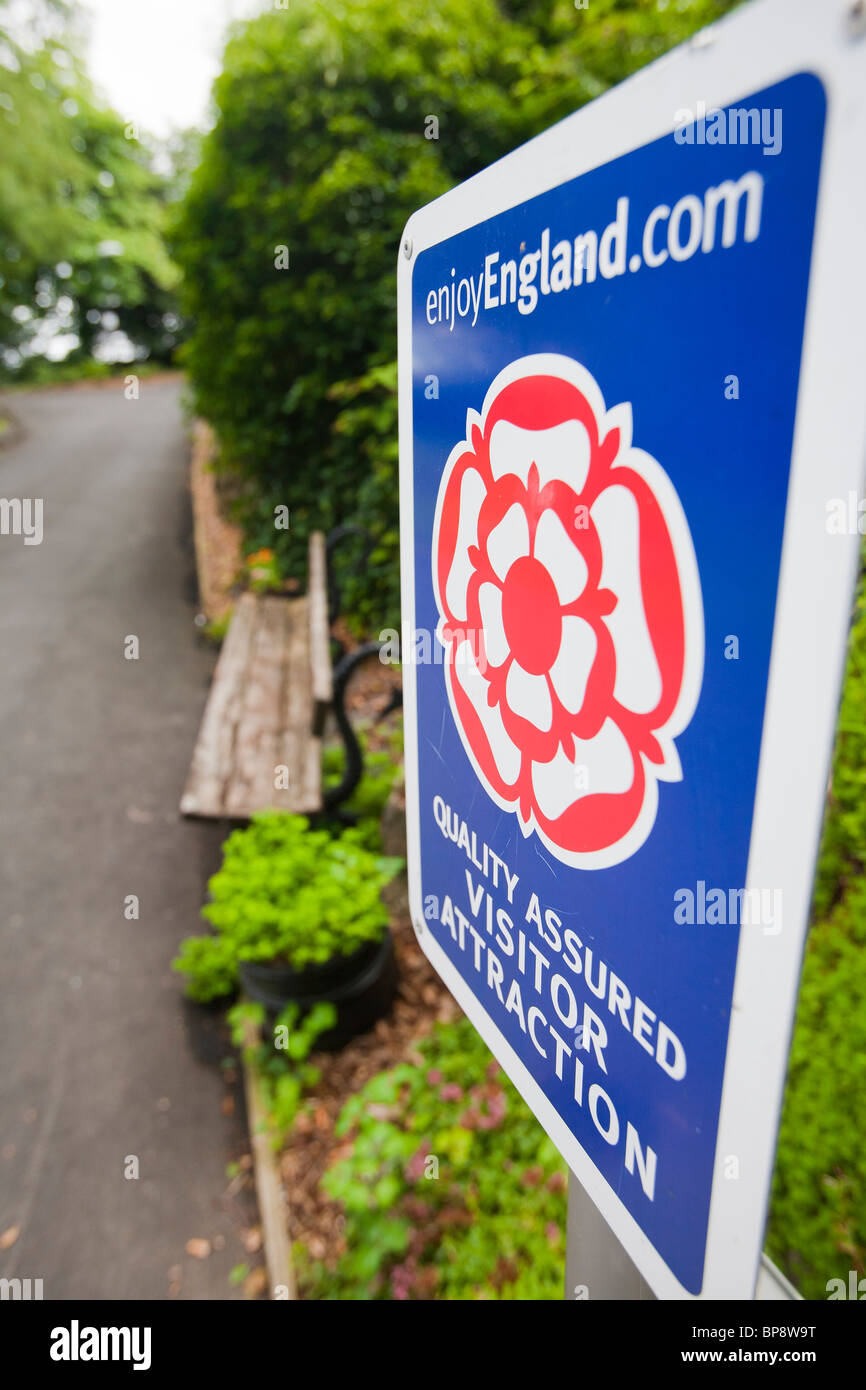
[
  {"x": 321, "y": 146},
  {"x": 81, "y": 209}
]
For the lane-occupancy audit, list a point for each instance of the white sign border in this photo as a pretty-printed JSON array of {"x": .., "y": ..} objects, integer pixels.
[{"x": 750, "y": 50}]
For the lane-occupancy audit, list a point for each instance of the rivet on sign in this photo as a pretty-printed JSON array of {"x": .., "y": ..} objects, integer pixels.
[
  {"x": 407, "y": 248},
  {"x": 857, "y": 19}
]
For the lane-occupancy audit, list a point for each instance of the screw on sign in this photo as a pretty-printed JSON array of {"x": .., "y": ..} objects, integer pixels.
[{"x": 567, "y": 550}]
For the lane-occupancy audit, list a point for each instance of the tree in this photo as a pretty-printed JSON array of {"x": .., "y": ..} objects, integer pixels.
[
  {"x": 81, "y": 210},
  {"x": 323, "y": 146}
]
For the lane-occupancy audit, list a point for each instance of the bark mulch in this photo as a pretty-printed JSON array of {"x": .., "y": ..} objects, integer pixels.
[{"x": 218, "y": 549}]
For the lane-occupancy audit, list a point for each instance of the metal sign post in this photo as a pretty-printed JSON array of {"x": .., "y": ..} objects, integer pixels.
[
  {"x": 596, "y": 1265},
  {"x": 631, "y": 399}
]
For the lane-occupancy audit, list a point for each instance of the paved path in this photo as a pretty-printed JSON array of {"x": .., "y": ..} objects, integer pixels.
[{"x": 100, "y": 1059}]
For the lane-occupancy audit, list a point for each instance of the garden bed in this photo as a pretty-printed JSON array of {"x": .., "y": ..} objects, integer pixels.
[
  {"x": 423, "y": 1175},
  {"x": 315, "y": 1220}
]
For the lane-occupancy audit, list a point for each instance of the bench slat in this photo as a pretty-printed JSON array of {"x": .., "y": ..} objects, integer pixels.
[
  {"x": 259, "y": 715},
  {"x": 251, "y": 785},
  {"x": 214, "y": 750}
]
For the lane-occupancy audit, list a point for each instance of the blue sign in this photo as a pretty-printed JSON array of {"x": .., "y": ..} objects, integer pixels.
[{"x": 604, "y": 384}]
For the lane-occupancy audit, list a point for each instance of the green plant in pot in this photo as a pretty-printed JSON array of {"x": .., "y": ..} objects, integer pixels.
[{"x": 298, "y": 917}]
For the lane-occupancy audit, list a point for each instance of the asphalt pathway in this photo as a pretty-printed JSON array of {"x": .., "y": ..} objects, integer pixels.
[{"x": 101, "y": 1062}]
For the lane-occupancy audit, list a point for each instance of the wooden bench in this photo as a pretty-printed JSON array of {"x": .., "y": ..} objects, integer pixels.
[{"x": 272, "y": 688}]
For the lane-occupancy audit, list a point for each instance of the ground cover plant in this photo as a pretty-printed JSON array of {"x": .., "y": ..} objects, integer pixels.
[
  {"x": 279, "y": 1053},
  {"x": 450, "y": 1188}
]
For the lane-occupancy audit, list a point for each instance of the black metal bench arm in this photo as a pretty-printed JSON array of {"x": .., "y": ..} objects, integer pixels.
[
  {"x": 354, "y": 768},
  {"x": 343, "y": 671},
  {"x": 339, "y": 534}
]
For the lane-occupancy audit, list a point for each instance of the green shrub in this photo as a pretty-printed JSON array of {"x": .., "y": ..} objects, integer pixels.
[
  {"x": 817, "y": 1228},
  {"x": 285, "y": 893},
  {"x": 843, "y": 844},
  {"x": 452, "y": 1189},
  {"x": 321, "y": 146}
]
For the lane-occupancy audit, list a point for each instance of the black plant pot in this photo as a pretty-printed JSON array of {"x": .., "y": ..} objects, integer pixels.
[{"x": 361, "y": 986}]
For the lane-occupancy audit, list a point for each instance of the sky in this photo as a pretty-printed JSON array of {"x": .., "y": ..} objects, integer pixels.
[{"x": 155, "y": 60}]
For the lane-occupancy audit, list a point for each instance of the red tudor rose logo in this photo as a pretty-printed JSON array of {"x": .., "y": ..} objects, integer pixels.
[{"x": 570, "y": 611}]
